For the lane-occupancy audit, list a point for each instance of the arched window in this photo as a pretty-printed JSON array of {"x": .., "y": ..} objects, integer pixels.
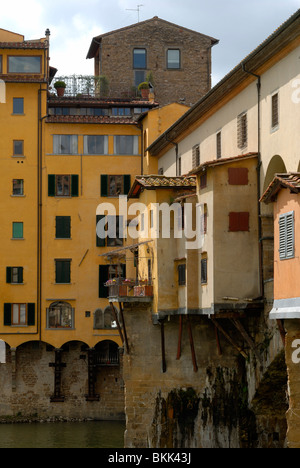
[
  {"x": 98, "y": 319},
  {"x": 109, "y": 319},
  {"x": 60, "y": 315}
]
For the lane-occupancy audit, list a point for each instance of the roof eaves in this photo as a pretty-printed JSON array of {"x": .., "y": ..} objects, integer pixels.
[{"x": 225, "y": 85}]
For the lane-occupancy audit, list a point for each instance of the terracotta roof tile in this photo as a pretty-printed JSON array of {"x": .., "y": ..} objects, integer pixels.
[
  {"x": 92, "y": 119},
  {"x": 152, "y": 182},
  {"x": 290, "y": 180}
]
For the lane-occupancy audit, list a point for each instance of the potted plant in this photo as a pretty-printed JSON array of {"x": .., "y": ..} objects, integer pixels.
[
  {"x": 144, "y": 89},
  {"x": 60, "y": 87}
]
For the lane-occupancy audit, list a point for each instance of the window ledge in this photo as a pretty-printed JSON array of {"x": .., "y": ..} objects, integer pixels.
[
  {"x": 18, "y": 196},
  {"x": 17, "y": 238}
]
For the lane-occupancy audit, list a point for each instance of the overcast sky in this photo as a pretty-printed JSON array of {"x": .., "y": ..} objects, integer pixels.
[{"x": 240, "y": 25}]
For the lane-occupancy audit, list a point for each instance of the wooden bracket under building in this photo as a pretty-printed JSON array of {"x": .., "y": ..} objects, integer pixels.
[
  {"x": 228, "y": 338},
  {"x": 191, "y": 340}
]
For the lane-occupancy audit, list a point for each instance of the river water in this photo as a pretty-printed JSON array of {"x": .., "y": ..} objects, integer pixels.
[{"x": 91, "y": 434}]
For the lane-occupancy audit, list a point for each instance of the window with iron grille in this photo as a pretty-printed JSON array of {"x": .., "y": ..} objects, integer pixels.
[
  {"x": 242, "y": 130},
  {"x": 275, "y": 111},
  {"x": 196, "y": 156},
  {"x": 287, "y": 236}
]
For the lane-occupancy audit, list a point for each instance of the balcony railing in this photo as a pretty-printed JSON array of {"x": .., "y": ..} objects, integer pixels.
[
  {"x": 129, "y": 289},
  {"x": 94, "y": 86}
]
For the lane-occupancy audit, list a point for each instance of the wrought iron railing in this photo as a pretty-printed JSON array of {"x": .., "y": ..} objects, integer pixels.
[{"x": 84, "y": 85}]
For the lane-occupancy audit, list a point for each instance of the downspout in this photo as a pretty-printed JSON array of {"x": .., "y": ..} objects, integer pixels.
[{"x": 258, "y": 176}]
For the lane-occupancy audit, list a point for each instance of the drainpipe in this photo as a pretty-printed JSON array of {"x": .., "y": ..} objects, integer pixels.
[{"x": 258, "y": 175}]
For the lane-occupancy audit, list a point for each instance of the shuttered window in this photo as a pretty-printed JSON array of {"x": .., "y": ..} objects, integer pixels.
[
  {"x": 286, "y": 236},
  {"x": 19, "y": 314},
  {"x": 14, "y": 275},
  {"x": 63, "y": 185},
  {"x": 115, "y": 185},
  {"x": 239, "y": 221},
  {"x": 196, "y": 156},
  {"x": 63, "y": 227},
  {"x": 62, "y": 271},
  {"x": 242, "y": 130},
  {"x": 275, "y": 111}
]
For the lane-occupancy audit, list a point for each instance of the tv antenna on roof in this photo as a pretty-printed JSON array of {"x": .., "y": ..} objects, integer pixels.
[{"x": 137, "y": 9}]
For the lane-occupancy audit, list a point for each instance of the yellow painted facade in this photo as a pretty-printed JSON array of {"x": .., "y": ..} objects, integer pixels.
[{"x": 32, "y": 166}]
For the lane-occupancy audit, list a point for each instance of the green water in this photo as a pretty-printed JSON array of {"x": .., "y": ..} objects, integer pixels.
[{"x": 98, "y": 434}]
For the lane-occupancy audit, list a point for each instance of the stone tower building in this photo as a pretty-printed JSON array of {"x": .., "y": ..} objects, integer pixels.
[{"x": 177, "y": 60}]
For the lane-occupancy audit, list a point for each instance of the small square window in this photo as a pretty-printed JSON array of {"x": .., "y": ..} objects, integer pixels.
[
  {"x": 17, "y": 230},
  {"x": 18, "y": 187},
  {"x": 18, "y": 148},
  {"x": 173, "y": 59},
  {"x": 18, "y": 106}
]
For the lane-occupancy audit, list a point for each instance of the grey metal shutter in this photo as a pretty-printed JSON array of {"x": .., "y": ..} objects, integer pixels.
[{"x": 286, "y": 236}]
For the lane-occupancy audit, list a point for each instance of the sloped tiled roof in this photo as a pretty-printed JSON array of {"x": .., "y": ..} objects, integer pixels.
[
  {"x": 289, "y": 180},
  {"x": 92, "y": 119},
  {"x": 218, "y": 162},
  {"x": 152, "y": 182},
  {"x": 24, "y": 45}
]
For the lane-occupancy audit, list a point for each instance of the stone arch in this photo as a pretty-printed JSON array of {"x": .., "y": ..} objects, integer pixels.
[
  {"x": 108, "y": 353},
  {"x": 276, "y": 166},
  {"x": 109, "y": 319}
]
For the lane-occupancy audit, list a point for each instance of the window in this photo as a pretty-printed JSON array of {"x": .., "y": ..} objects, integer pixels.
[
  {"x": 242, "y": 130},
  {"x": 60, "y": 315},
  {"x": 287, "y": 236},
  {"x": 173, "y": 59},
  {"x": 126, "y": 144},
  {"x": 65, "y": 144},
  {"x": 219, "y": 145},
  {"x": 203, "y": 219},
  {"x": 63, "y": 185},
  {"x": 275, "y": 111},
  {"x": 19, "y": 314},
  {"x": 204, "y": 268},
  {"x": 18, "y": 187},
  {"x": 21, "y": 64},
  {"x": 123, "y": 111},
  {"x": 18, "y": 148},
  {"x": 62, "y": 271},
  {"x": 196, "y": 156},
  {"x": 203, "y": 180},
  {"x": 115, "y": 185},
  {"x": 110, "y": 231},
  {"x": 18, "y": 106},
  {"x": 95, "y": 144},
  {"x": 182, "y": 275},
  {"x": 139, "y": 77},
  {"x": 1, "y": 64},
  {"x": 14, "y": 275},
  {"x": 17, "y": 231},
  {"x": 139, "y": 58},
  {"x": 238, "y": 221},
  {"x": 63, "y": 227}
]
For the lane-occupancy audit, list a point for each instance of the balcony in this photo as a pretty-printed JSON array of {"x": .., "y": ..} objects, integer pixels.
[{"x": 126, "y": 290}]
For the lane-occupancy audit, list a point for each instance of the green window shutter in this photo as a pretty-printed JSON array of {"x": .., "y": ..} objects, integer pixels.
[
  {"x": 51, "y": 185},
  {"x": 20, "y": 275},
  {"x": 104, "y": 185},
  {"x": 63, "y": 271},
  {"x": 7, "y": 315},
  {"x": 30, "y": 314},
  {"x": 8, "y": 274},
  {"x": 103, "y": 277},
  {"x": 99, "y": 242},
  {"x": 63, "y": 227},
  {"x": 74, "y": 185},
  {"x": 127, "y": 184},
  {"x": 17, "y": 230}
]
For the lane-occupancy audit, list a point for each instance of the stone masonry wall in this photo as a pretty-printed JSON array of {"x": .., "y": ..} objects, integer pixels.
[
  {"x": 27, "y": 385},
  {"x": 186, "y": 85}
]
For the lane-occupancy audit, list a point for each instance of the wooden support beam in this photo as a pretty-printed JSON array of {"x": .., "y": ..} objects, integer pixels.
[
  {"x": 192, "y": 344},
  {"x": 218, "y": 341},
  {"x": 246, "y": 337},
  {"x": 231, "y": 341},
  {"x": 92, "y": 377},
  {"x": 179, "y": 338},
  {"x": 281, "y": 330},
  {"x": 163, "y": 348},
  {"x": 58, "y": 366},
  {"x": 124, "y": 328},
  {"x": 117, "y": 321}
]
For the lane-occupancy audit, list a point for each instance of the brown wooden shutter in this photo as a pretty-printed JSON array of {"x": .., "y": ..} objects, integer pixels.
[
  {"x": 238, "y": 221},
  {"x": 238, "y": 176}
]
